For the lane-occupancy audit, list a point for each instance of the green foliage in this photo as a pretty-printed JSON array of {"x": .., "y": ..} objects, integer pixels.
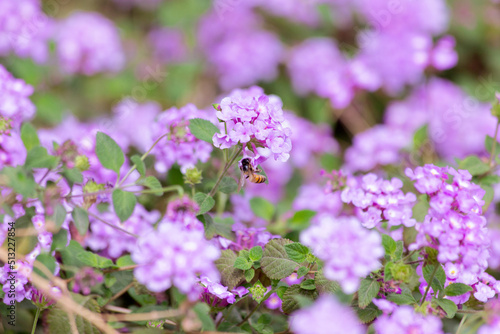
[
  {"x": 308, "y": 284},
  {"x": 202, "y": 310},
  {"x": 256, "y": 253},
  {"x": 48, "y": 262},
  {"x": 368, "y": 289},
  {"x": 123, "y": 203},
  {"x": 203, "y": 129},
  {"x": 205, "y": 202},
  {"x": 421, "y": 208},
  {"x": 139, "y": 164},
  {"x": 108, "y": 152},
  {"x": 152, "y": 183},
  {"x": 389, "y": 245},
  {"x": 367, "y": 314},
  {"x": 81, "y": 220},
  {"x": 297, "y": 252},
  {"x": 456, "y": 289},
  {"x": 228, "y": 185},
  {"x": 290, "y": 303},
  {"x": 421, "y": 136},
  {"x": 72, "y": 175},
  {"x": 29, "y": 136},
  {"x": 38, "y": 157},
  {"x": 301, "y": 220},
  {"x": 262, "y": 208},
  {"x": 302, "y": 271},
  {"x": 75, "y": 255},
  {"x": 58, "y": 320},
  {"x": 474, "y": 165},
  {"x": 275, "y": 262},
  {"x": 404, "y": 298},
  {"x": 448, "y": 306},
  {"x": 249, "y": 274},
  {"x": 242, "y": 263},
  {"x": 230, "y": 276},
  {"x": 439, "y": 279}
]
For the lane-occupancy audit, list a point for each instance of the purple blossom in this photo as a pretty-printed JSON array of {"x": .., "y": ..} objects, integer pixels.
[
  {"x": 492, "y": 313},
  {"x": 168, "y": 45},
  {"x": 249, "y": 237},
  {"x": 217, "y": 295},
  {"x": 316, "y": 198},
  {"x": 14, "y": 99},
  {"x": 331, "y": 240},
  {"x": 24, "y": 30},
  {"x": 184, "y": 210},
  {"x": 42, "y": 300},
  {"x": 405, "y": 320},
  {"x": 378, "y": 200},
  {"x": 172, "y": 255},
  {"x": 273, "y": 302},
  {"x": 16, "y": 279},
  {"x": 85, "y": 279},
  {"x": 320, "y": 317},
  {"x": 89, "y": 43},
  {"x": 250, "y": 116},
  {"x": 12, "y": 150},
  {"x": 180, "y": 146}
]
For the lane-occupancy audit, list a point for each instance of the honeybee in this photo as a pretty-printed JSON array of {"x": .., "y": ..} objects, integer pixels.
[{"x": 248, "y": 172}]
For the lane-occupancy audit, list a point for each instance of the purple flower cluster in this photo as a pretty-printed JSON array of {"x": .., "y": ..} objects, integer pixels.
[
  {"x": 89, "y": 43},
  {"x": 180, "y": 146},
  {"x": 113, "y": 243},
  {"x": 454, "y": 225},
  {"x": 184, "y": 210},
  {"x": 492, "y": 325},
  {"x": 378, "y": 200},
  {"x": 326, "y": 316},
  {"x": 240, "y": 52},
  {"x": 168, "y": 45},
  {"x": 217, "y": 295},
  {"x": 24, "y": 30},
  {"x": 251, "y": 117},
  {"x": 16, "y": 279},
  {"x": 85, "y": 279},
  {"x": 15, "y": 104},
  {"x": 247, "y": 237},
  {"x": 404, "y": 320},
  {"x": 331, "y": 240},
  {"x": 173, "y": 255},
  {"x": 314, "y": 197}
]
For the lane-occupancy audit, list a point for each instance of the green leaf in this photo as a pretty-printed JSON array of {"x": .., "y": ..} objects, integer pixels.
[
  {"x": 59, "y": 240},
  {"x": 488, "y": 196},
  {"x": 324, "y": 285},
  {"x": 405, "y": 298},
  {"x": 488, "y": 143},
  {"x": 108, "y": 152},
  {"x": 398, "y": 254},
  {"x": 456, "y": 289},
  {"x": 389, "y": 244},
  {"x": 21, "y": 182},
  {"x": 242, "y": 263},
  {"x": 38, "y": 157},
  {"x": 290, "y": 302},
  {"x": 421, "y": 208},
  {"x": 228, "y": 185},
  {"x": 256, "y": 253},
  {"x": 448, "y": 306},
  {"x": 230, "y": 276},
  {"x": 205, "y": 202},
  {"x": 439, "y": 277},
  {"x": 73, "y": 175},
  {"x": 48, "y": 262},
  {"x": 301, "y": 220},
  {"x": 152, "y": 183},
  {"x": 249, "y": 274},
  {"x": 139, "y": 164},
  {"x": 59, "y": 215},
  {"x": 308, "y": 284},
  {"x": 388, "y": 271},
  {"x": 302, "y": 271},
  {"x": 368, "y": 314},
  {"x": 421, "y": 136},
  {"x": 29, "y": 136},
  {"x": 297, "y": 252},
  {"x": 474, "y": 165},
  {"x": 58, "y": 321},
  {"x": 81, "y": 220},
  {"x": 125, "y": 261},
  {"x": 368, "y": 290},
  {"x": 281, "y": 291},
  {"x": 202, "y": 310},
  {"x": 203, "y": 129},
  {"x": 262, "y": 208},
  {"x": 123, "y": 203},
  {"x": 275, "y": 262}
]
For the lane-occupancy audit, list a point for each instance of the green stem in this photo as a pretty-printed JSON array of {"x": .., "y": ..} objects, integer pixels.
[
  {"x": 36, "y": 320},
  {"x": 175, "y": 187},
  {"x": 494, "y": 144},
  {"x": 134, "y": 167},
  {"x": 430, "y": 282},
  {"x": 461, "y": 324},
  {"x": 256, "y": 308},
  {"x": 409, "y": 255},
  {"x": 226, "y": 168}
]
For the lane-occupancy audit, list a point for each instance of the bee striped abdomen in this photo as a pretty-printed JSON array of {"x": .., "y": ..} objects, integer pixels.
[{"x": 258, "y": 178}]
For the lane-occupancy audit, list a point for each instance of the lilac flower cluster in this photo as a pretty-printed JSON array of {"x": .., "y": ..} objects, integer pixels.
[
  {"x": 251, "y": 117},
  {"x": 247, "y": 237},
  {"x": 89, "y": 43},
  {"x": 454, "y": 225},
  {"x": 18, "y": 282},
  {"x": 326, "y": 316},
  {"x": 184, "y": 210},
  {"x": 240, "y": 52},
  {"x": 85, "y": 279},
  {"x": 492, "y": 325},
  {"x": 404, "y": 319},
  {"x": 377, "y": 200},
  {"x": 24, "y": 30},
  {"x": 113, "y": 243},
  {"x": 168, "y": 45},
  {"x": 331, "y": 240},
  {"x": 173, "y": 255},
  {"x": 217, "y": 295},
  {"x": 180, "y": 146},
  {"x": 14, "y": 99},
  {"x": 314, "y": 197}
]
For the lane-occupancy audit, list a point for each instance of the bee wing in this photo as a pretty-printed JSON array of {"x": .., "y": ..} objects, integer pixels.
[{"x": 241, "y": 182}]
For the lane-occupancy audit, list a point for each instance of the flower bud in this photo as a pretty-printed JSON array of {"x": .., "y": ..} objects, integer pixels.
[
  {"x": 193, "y": 176},
  {"x": 82, "y": 163},
  {"x": 5, "y": 125},
  {"x": 258, "y": 291},
  {"x": 401, "y": 272}
]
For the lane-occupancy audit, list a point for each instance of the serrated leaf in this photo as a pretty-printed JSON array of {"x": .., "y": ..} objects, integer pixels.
[
  {"x": 368, "y": 289},
  {"x": 308, "y": 284},
  {"x": 275, "y": 262},
  {"x": 228, "y": 185},
  {"x": 324, "y": 285},
  {"x": 398, "y": 254},
  {"x": 439, "y": 277},
  {"x": 242, "y": 263},
  {"x": 405, "y": 298},
  {"x": 203, "y": 129},
  {"x": 73, "y": 175},
  {"x": 230, "y": 276},
  {"x": 488, "y": 143},
  {"x": 58, "y": 321},
  {"x": 48, "y": 262},
  {"x": 124, "y": 261},
  {"x": 297, "y": 252},
  {"x": 108, "y": 152},
  {"x": 388, "y": 271},
  {"x": 202, "y": 310},
  {"x": 368, "y": 314},
  {"x": 20, "y": 181},
  {"x": 302, "y": 271},
  {"x": 123, "y": 203},
  {"x": 389, "y": 244},
  {"x": 249, "y": 274},
  {"x": 139, "y": 164},
  {"x": 152, "y": 183},
  {"x": 281, "y": 291},
  {"x": 205, "y": 202},
  {"x": 59, "y": 215},
  {"x": 456, "y": 289},
  {"x": 81, "y": 220},
  {"x": 290, "y": 303},
  {"x": 474, "y": 165},
  {"x": 38, "y": 157},
  {"x": 262, "y": 208},
  {"x": 256, "y": 253},
  {"x": 59, "y": 240},
  {"x": 301, "y": 220},
  {"x": 29, "y": 136},
  {"x": 448, "y": 306}
]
